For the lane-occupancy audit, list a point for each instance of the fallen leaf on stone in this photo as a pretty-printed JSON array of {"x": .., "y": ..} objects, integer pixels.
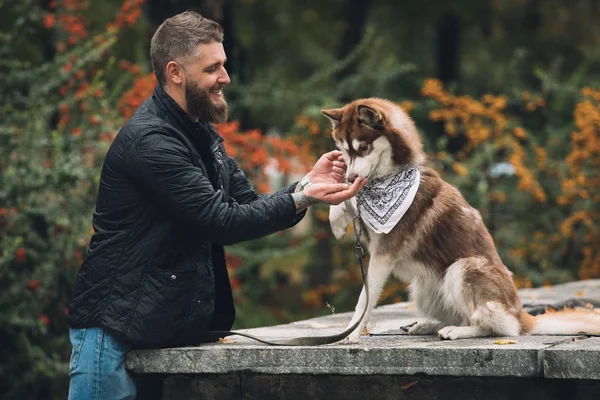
[
  {"x": 404, "y": 387},
  {"x": 579, "y": 293},
  {"x": 364, "y": 332},
  {"x": 226, "y": 341},
  {"x": 317, "y": 325},
  {"x": 505, "y": 341}
]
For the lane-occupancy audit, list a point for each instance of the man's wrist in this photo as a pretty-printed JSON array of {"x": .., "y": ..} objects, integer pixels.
[
  {"x": 302, "y": 201},
  {"x": 303, "y": 183}
]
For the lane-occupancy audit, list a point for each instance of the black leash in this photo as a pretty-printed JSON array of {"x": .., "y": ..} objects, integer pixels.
[{"x": 318, "y": 340}]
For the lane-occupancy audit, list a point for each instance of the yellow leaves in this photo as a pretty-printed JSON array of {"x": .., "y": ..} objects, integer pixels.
[
  {"x": 436, "y": 115},
  {"x": 407, "y": 106},
  {"x": 486, "y": 124},
  {"x": 505, "y": 341},
  {"x": 498, "y": 196},
  {"x": 450, "y": 128},
  {"x": 541, "y": 156},
  {"x": 522, "y": 282},
  {"x": 432, "y": 88},
  {"x": 519, "y": 132},
  {"x": 226, "y": 341},
  {"x": 460, "y": 169}
]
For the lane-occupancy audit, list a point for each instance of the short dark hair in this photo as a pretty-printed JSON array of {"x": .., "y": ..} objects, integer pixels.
[{"x": 177, "y": 38}]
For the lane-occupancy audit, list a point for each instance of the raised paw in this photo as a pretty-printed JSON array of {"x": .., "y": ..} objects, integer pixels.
[{"x": 338, "y": 220}]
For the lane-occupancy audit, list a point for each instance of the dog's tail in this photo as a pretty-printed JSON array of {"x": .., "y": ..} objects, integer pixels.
[{"x": 563, "y": 322}]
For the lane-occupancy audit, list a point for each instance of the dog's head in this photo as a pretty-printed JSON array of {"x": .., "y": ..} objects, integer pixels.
[{"x": 376, "y": 137}]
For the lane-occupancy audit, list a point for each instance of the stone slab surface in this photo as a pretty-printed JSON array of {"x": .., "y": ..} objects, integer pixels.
[
  {"x": 578, "y": 359},
  {"x": 388, "y": 351}
]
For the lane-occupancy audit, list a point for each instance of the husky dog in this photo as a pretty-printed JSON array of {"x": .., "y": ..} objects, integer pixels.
[{"x": 437, "y": 241}]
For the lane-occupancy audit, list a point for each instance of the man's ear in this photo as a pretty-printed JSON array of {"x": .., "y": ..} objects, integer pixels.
[
  {"x": 370, "y": 117},
  {"x": 334, "y": 115},
  {"x": 174, "y": 72}
]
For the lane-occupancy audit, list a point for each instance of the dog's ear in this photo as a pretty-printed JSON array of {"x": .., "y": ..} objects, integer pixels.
[
  {"x": 334, "y": 115},
  {"x": 369, "y": 117}
]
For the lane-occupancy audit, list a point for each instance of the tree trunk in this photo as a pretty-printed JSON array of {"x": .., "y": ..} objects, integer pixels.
[
  {"x": 447, "y": 62},
  {"x": 356, "y": 12}
]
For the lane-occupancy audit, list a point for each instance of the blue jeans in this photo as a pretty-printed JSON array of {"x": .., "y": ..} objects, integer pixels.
[{"x": 97, "y": 369}]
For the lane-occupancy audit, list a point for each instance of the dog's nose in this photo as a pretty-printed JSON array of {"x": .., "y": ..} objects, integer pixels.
[{"x": 352, "y": 178}]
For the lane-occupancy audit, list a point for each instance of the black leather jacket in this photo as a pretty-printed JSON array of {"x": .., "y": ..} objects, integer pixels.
[{"x": 155, "y": 273}]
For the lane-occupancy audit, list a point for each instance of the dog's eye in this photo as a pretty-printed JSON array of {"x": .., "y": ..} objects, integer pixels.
[{"x": 363, "y": 147}]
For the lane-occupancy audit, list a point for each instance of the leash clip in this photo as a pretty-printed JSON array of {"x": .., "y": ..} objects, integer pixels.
[{"x": 359, "y": 251}]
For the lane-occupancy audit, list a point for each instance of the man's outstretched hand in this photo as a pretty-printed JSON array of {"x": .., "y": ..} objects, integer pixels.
[
  {"x": 329, "y": 193},
  {"x": 330, "y": 168}
]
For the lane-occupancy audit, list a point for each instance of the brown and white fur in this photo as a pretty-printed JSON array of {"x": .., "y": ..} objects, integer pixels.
[{"x": 441, "y": 245}]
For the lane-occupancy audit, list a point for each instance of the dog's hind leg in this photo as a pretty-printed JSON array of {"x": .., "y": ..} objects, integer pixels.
[
  {"x": 380, "y": 268},
  {"x": 489, "y": 319},
  {"x": 426, "y": 292},
  {"x": 482, "y": 293}
]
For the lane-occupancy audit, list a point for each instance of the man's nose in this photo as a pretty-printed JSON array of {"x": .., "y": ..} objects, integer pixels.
[{"x": 224, "y": 78}]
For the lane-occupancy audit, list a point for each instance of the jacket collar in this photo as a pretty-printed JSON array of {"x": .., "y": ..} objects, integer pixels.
[{"x": 183, "y": 120}]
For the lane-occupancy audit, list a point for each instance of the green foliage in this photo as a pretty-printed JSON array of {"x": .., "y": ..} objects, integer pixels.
[
  {"x": 58, "y": 112},
  {"x": 49, "y": 172}
]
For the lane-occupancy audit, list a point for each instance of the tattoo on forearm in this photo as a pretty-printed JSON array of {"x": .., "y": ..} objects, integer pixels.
[{"x": 303, "y": 201}]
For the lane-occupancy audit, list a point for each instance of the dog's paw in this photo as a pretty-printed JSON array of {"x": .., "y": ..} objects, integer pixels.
[
  {"x": 450, "y": 332},
  {"x": 350, "y": 339},
  {"x": 424, "y": 328},
  {"x": 338, "y": 220}
]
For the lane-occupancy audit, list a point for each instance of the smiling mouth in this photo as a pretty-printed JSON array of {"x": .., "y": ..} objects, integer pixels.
[{"x": 217, "y": 92}]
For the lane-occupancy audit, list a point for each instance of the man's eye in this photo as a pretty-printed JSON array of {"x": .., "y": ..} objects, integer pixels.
[{"x": 363, "y": 147}]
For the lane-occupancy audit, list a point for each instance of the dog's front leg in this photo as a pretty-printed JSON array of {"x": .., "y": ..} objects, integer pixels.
[
  {"x": 339, "y": 219},
  {"x": 380, "y": 268}
]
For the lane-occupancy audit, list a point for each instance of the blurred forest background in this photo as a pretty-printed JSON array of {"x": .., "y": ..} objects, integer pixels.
[{"x": 506, "y": 94}]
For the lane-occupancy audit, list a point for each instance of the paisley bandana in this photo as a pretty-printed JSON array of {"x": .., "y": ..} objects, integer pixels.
[{"x": 383, "y": 203}]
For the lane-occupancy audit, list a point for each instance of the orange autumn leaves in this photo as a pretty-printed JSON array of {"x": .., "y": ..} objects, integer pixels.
[
  {"x": 254, "y": 152},
  {"x": 143, "y": 86},
  {"x": 483, "y": 122},
  {"x": 581, "y": 185},
  {"x": 67, "y": 16},
  {"x": 486, "y": 121}
]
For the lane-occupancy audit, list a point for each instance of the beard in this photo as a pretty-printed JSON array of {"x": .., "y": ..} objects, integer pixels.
[{"x": 200, "y": 105}]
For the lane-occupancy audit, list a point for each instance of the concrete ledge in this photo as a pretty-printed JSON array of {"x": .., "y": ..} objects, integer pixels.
[
  {"x": 387, "y": 351},
  {"x": 573, "y": 360}
]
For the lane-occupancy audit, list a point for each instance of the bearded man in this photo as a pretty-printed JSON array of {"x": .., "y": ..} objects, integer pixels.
[{"x": 169, "y": 199}]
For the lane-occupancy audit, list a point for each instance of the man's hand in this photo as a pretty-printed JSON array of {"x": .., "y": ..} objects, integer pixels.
[
  {"x": 329, "y": 193},
  {"x": 330, "y": 168}
]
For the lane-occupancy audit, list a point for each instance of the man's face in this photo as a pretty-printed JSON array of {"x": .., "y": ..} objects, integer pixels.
[{"x": 204, "y": 82}]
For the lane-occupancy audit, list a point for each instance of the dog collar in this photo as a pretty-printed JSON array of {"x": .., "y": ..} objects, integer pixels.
[{"x": 383, "y": 203}]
